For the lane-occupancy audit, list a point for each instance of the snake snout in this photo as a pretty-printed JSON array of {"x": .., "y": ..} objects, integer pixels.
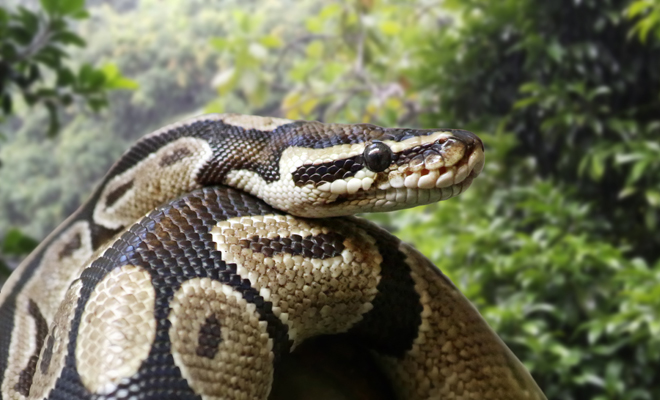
[{"x": 468, "y": 138}]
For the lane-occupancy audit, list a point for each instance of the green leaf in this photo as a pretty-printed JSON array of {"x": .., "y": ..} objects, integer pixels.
[
  {"x": 67, "y": 37},
  {"x": 90, "y": 79},
  {"x": 121, "y": 83},
  {"x": 65, "y": 77},
  {"x": 6, "y": 103},
  {"x": 314, "y": 49},
  {"x": 390, "y": 28},
  {"x": 219, "y": 43},
  {"x": 271, "y": 41},
  {"x": 526, "y": 102},
  {"x": 216, "y": 106},
  {"x": 97, "y": 103},
  {"x": 16, "y": 243},
  {"x": 20, "y": 35},
  {"x": 58, "y": 25},
  {"x": 225, "y": 80},
  {"x": 80, "y": 14},
  {"x": 597, "y": 167},
  {"x": 34, "y": 74},
  {"x": 242, "y": 19},
  {"x": 314, "y": 25},
  {"x": 29, "y": 20},
  {"x": 332, "y": 70},
  {"x": 644, "y": 27},
  {"x": 51, "y": 56},
  {"x": 115, "y": 80},
  {"x": 637, "y": 8},
  {"x": 529, "y": 87},
  {"x": 653, "y": 197},
  {"x": 63, "y": 7},
  {"x": 638, "y": 170},
  {"x": 629, "y": 191},
  {"x": 4, "y": 18},
  {"x": 52, "y": 7},
  {"x": 54, "y": 119},
  {"x": 600, "y": 90},
  {"x": 257, "y": 51},
  {"x": 330, "y": 10}
]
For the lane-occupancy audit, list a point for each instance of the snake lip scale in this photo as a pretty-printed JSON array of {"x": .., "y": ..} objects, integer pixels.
[
  {"x": 217, "y": 245},
  {"x": 432, "y": 175}
]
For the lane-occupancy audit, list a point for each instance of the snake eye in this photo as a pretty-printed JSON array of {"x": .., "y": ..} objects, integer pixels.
[{"x": 378, "y": 156}]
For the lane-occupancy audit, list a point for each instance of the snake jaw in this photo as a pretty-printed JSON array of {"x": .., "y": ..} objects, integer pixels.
[
  {"x": 423, "y": 170},
  {"x": 436, "y": 171},
  {"x": 400, "y": 186}
]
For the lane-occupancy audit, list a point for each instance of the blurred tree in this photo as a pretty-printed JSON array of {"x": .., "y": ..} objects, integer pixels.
[
  {"x": 32, "y": 61},
  {"x": 346, "y": 62},
  {"x": 568, "y": 77},
  {"x": 33, "y": 66}
]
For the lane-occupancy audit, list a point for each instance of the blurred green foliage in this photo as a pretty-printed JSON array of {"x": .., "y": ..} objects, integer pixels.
[
  {"x": 33, "y": 61},
  {"x": 347, "y": 62},
  {"x": 34, "y": 69},
  {"x": 647, "y": 13},
  {"x": 557, "y": 241}
]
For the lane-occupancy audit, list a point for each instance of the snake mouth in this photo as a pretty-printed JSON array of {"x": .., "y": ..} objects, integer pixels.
[
  {"x": 436, "y": 172},
  {"x": 422, "y": 170},
  {"x": 417, "y": 183}
]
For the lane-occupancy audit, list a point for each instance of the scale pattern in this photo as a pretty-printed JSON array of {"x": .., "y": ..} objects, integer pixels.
[{"x": 169, "y": 284}]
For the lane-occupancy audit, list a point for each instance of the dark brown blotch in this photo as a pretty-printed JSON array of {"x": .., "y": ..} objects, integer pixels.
[
  {"x": 48, "y": 352},
  {"x": 324, "y": 245},
  {"x": 117, "y": 194},
  {"x": 209, "y": 338},
  {"x": 69, "y": 248},
  {"x": 27, "y": 374},
  {"x": 174, "y": 157}
]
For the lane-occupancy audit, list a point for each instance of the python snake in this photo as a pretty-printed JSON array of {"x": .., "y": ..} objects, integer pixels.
[{"x": 217, "y": 245}]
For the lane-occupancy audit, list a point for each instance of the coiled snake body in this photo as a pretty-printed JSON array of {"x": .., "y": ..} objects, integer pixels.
[{"x": 208, "y": 252}]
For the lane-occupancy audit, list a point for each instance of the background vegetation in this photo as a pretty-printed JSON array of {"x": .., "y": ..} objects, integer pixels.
[{"x": 557, "y": 243}]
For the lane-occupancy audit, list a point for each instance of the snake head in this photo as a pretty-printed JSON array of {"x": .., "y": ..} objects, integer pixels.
[
  {"x": 368, "y": 168},
  {"x": 313, "y": 169}
]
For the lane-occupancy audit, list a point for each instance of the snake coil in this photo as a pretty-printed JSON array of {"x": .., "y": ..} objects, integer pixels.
[{"x": 211, "y": 249}]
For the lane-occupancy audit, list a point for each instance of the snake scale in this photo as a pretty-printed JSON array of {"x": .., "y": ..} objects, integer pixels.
[{"x": 217, "y": 245}]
